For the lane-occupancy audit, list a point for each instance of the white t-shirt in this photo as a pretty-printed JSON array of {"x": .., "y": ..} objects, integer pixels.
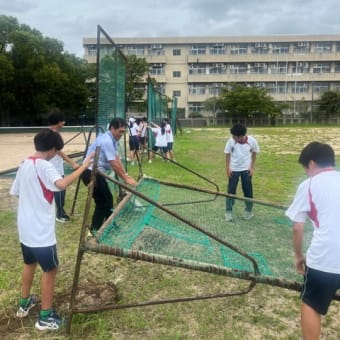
[
  {"x": 240, "y": 154},
  {"x": 169, "y": 134},
  {"x": 134, "y": 129},
  {"x": 323, "y": 192},
  {"x": 161, "y": 141},
  {"x": 58, "y": 162},
  {"x": 36, "y": 216},
  {"x": 143, "y": 127}
]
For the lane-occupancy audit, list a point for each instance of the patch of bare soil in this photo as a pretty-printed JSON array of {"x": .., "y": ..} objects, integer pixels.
[
  {"x": 89, "y": 294},
  {"x": 15, "y": 147}
]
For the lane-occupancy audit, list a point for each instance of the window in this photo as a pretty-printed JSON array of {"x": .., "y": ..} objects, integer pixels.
[
  {"x": 92, "y": 50},
  {"x": 320, "y": 87},
  {"x": 323, "y": 47},
  {"x": 278, "y": 87},
  {"x": 214, "y": 89},
  {"x": 337, "y": 67},
  {"x": 238, "y": 49},
  {"x": 157, "y": 69},
  {"x": 135, "y": 50},
  {"x": 300, "y": 67},
  {"x": 301, "y": 47},
  {"x": 321, "y": 68},
  {"x": 299, "y": 87},
  {"x": 260, "y": 48},
  {"x": 155, "y": 51},
  {"x": 196, "y": 107},
  {"x": 282, "y": 48},
  {"x": 176, "y": 93},
  {"x": 259, "y": 85},
  {"x": 336, "y": 86},
  {"x": 337, "y": 46},
  {"x": 197, "y": 89},
  {"x": 238, "y": 68},
  {"x": 176, "y": 51},
  {"x": 279, "y": 68},
  {"x": 197, "y": 49},
  {"x": 217, "y": 49},
  {"x": 259, "y": 68},
  {"x": 176, "y": 74},
  {"x": 219, "y": 68},
  {"x": 197, "y": 69}
]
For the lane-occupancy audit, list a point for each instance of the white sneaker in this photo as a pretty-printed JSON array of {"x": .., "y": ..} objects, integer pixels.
[
  {"x": 229, "y": 216},
  {"x": 247, "y": 215},
  {"x": 150, "y": 161}
]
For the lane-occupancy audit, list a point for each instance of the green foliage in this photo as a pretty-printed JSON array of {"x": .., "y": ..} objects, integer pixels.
[
  {"x": 136, "y": 69},
  {"x": 37, "y": 76},
  {"x": 246, "y": 101},
  {"x": 329, "y": 103}
]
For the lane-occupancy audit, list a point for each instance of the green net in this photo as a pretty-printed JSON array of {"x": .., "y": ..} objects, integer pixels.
[
  {"x": 157, "y": 104},
  {"x": 189, "y": 228},
  {"x": 111, "y": 85},
  {"x": 111, "y": 81},
  {"x": 157, "y": 109},
  {"x": 173, "y": 117}
]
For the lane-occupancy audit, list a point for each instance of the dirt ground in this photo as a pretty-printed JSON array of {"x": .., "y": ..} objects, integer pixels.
[{"x": 16, "y": 147}]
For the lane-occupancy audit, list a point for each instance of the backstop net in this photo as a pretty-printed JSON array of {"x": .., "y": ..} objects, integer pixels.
[
  {"x": 157, "y": 109},
  {"x": 111, "y": 80},
  {"x": 185, "y": 226}
]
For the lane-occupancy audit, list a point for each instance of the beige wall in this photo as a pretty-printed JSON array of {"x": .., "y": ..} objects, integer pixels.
[{"x": 289, "y": 78}]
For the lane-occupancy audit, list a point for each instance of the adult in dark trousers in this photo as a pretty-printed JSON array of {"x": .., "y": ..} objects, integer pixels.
[{"x": 108, "y": 160}]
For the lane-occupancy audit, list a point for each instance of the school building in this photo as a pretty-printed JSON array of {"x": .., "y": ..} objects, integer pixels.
[{"x": 295, "y": 69}]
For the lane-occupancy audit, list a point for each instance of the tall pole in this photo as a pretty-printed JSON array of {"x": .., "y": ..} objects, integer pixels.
[{"x": 312, "y": 104}]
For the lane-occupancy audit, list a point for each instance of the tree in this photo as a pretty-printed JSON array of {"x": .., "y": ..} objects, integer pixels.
[
  {"x": 7, "y": 25},
  {"x": 6, "y": 82},
  {"x": 246, "y": 102},
  {"x": 136, "y": 70},
  {"x": 329, "y": 103},
  {"x": 38, "y": 76}
]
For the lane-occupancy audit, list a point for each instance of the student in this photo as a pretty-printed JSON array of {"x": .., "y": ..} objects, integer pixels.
[
  {"x": 317, "y": 198},
  {"x": 35, "y": 182},
  {"x": 133, "y": 139},
  {"x": 56, "y": 121},
  {"x": 161, "y": 142},
  {"x": 143, "y": 131},
  {"x": 241, "y": 151},
  {"x": 108, "y": 159},
  {"x": 170, "y": 139}
]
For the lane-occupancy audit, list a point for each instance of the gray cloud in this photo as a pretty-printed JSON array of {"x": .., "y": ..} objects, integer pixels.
[{"x": 70, "y": 21}]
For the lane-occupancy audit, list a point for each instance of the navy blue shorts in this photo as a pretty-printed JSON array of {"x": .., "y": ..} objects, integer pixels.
[
  {"x": 170, "y": 144},
  {"x": 134, "y": 143},
  {"x": 162, "y": 149},
  {"x": 45, "y": 256},
  {"x": 319, "y": 289}
]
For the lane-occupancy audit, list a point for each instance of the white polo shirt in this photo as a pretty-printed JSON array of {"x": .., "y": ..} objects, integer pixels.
[{"x": 323, "y": 192}]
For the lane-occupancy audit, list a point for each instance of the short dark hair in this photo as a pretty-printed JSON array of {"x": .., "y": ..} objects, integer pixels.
[
  {"x": 55, "y": 117},
  {"x": 321, "y": 153},
  {"x": 117, "y": 123},
  {"x": 238, "y": 130},
  {"x": 47, "y": 139}
]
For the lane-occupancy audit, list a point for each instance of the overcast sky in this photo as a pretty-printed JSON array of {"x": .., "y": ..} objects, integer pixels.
[{"x": 71, "y": 20}]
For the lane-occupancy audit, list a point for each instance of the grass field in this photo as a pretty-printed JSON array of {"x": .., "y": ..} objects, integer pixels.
[{"x": 265, "y": 313}]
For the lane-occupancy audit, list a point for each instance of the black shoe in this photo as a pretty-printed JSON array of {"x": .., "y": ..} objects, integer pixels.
[
  {"x": 62, "y": 219},
  {"x": 66, "y": 217}
]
